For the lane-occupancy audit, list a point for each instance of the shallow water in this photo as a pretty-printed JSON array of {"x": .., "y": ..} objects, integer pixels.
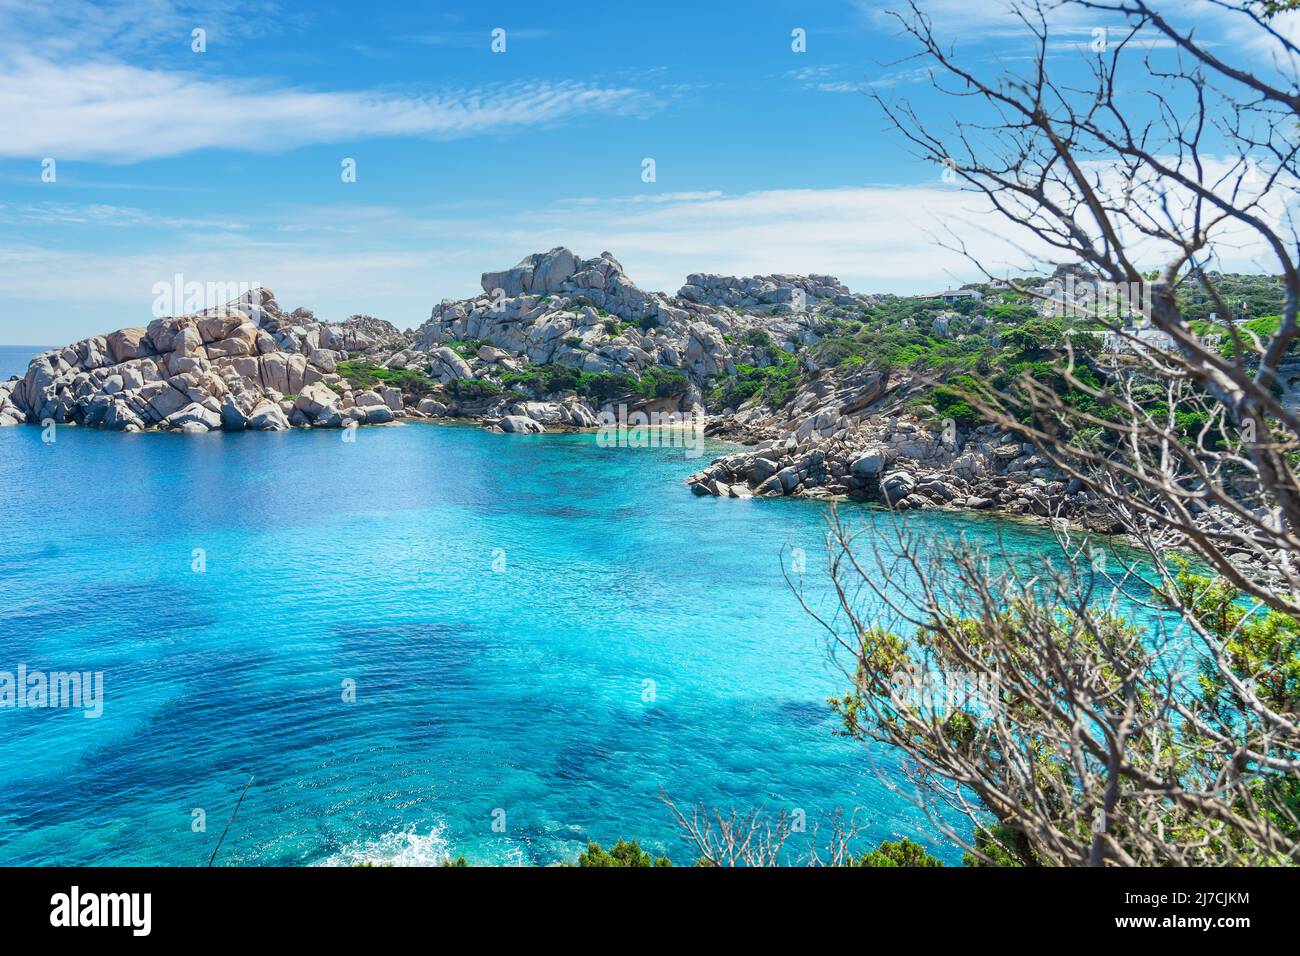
[{"x": 501, "y": 602}]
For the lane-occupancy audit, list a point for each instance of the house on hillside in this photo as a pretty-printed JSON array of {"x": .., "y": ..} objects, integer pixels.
[
  {"x": 1135, "y": 340},
  {"x": 953, "y": 296}
]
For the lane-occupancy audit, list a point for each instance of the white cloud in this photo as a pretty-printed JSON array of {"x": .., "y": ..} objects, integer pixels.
[
  {"x": 73, "y": 85},
  {"x": 874, "y": 237},
  {"x": 1071, "y": 25},
  {"x": 823, "y": 79},
  {"x": 396, "y": 263},
  {"x": 81, "y": 28},
  {"x": 117, "y": 112}
]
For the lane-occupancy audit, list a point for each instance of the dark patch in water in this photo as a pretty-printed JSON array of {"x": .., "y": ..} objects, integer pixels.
[
  {"x": 581, "y": 761},
  {"x": 132, "y": 610},
  {"x": 805, "y": 713}
]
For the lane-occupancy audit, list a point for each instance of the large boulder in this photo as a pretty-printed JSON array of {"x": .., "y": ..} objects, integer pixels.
[
  {"x": 319, "y": 404},
  {"x": 896, "y": 486},
  {"x": 789, "y": 478},
  {"x": 521, "y": 425},
  {"x": 448, "y": 365},
  {"x": 126, "y": 344},
  {"x": 10, "y": 413},
  {"x": 323, "y": 359},
  {"x": 233, "y": 416},
  {"x": 268, "y": 416},
  {"x": 553, "y": 269},
  {"x": 541, "y": 273},
  {"x": 159, "y": 400},
  {"x": 869, "y": 465},
  {"x": 221, "y": 324},
  {"x": 194, "y": 417}
]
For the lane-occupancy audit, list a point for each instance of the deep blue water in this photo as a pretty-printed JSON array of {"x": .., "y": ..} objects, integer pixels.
[
  {"x": 478, "y": 689},
  {"x": 15, "y": 358}
]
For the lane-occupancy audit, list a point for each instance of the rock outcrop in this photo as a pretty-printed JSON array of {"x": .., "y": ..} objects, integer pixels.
[
  {"x": 895, "y": 460},
  {"x": 588, "y": 315},
  {"x": 851, "y": 436},
  {"x": 250, "y": 365},
  {"x": 521, "y": 359},
  {"x": 245, "y": 365}
]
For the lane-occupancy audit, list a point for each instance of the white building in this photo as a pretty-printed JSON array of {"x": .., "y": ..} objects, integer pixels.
[{"x": 1136, "y": 340}]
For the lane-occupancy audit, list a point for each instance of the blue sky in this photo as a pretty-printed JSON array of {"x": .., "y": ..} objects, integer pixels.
[{"x": 225, "y": 165}]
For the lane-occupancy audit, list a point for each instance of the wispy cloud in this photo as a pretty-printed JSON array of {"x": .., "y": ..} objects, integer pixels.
[
  {"x": 104, "y": 215},
  {"x": 985, "y": 20},
  {"x": 645, "y": 198},
  {"x": 120, "y": 113},
  {"x": 834, "y": 79},
  {"x": 80, "y": 28},
  {"x": 918, "y": 74},
  {"x": 471, "y": 39},
  {"x": 824, "y": 79},
  {"x": 99, "y": 81},
  {"x": 1075, "y": 26}
]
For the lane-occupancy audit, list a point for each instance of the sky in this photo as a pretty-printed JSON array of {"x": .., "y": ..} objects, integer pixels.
[{"x": 227, "y": 164}]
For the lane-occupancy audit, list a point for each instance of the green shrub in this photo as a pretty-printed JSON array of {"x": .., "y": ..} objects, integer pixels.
[
  {"x": 1263, "y": 328},
  {"x": 605, "y": 386},
  {"x": 621, "y": 853},
  {"x": 660, "y": 382},
  {"x": 543, "y": 379},
  {"x": 547, "y": 379},
  {"x": 904, "y": 853},
  {"x": 775, "y": 384},
  {"x": 950, "y": 400},
  {"x": 472, "y": 389},
  {"x": 367, "y": 375}
]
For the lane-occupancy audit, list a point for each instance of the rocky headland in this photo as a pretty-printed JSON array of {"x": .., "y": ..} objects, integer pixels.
[{"x": 549, "y": 345}]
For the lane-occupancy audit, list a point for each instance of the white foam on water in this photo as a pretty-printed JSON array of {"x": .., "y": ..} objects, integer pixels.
[{"x": 407, "y": 847}]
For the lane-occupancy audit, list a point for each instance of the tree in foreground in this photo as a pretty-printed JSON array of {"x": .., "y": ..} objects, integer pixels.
[
  {"x": 1133, "y": 703},
  {"x": 759, "y": 838},
  {"x": 622, "y": 853}
]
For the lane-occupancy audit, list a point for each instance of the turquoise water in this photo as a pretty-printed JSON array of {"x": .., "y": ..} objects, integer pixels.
[{"x": 480, "y": 685}]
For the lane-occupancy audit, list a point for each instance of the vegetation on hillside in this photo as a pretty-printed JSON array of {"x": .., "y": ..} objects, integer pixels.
[
  {"x": 551, "y": 378},
  {"x": 362, "y": 374}
]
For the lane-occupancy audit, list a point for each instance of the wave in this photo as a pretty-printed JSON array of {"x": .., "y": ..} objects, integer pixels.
[{"x": 406, "y": 847}]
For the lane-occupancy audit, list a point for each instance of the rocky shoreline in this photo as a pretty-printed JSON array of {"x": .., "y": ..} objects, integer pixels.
[
  {"x": 248, "y": 364},
  {"x": 895, "y": 461},
  {"x": 553, "y": 344}
]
